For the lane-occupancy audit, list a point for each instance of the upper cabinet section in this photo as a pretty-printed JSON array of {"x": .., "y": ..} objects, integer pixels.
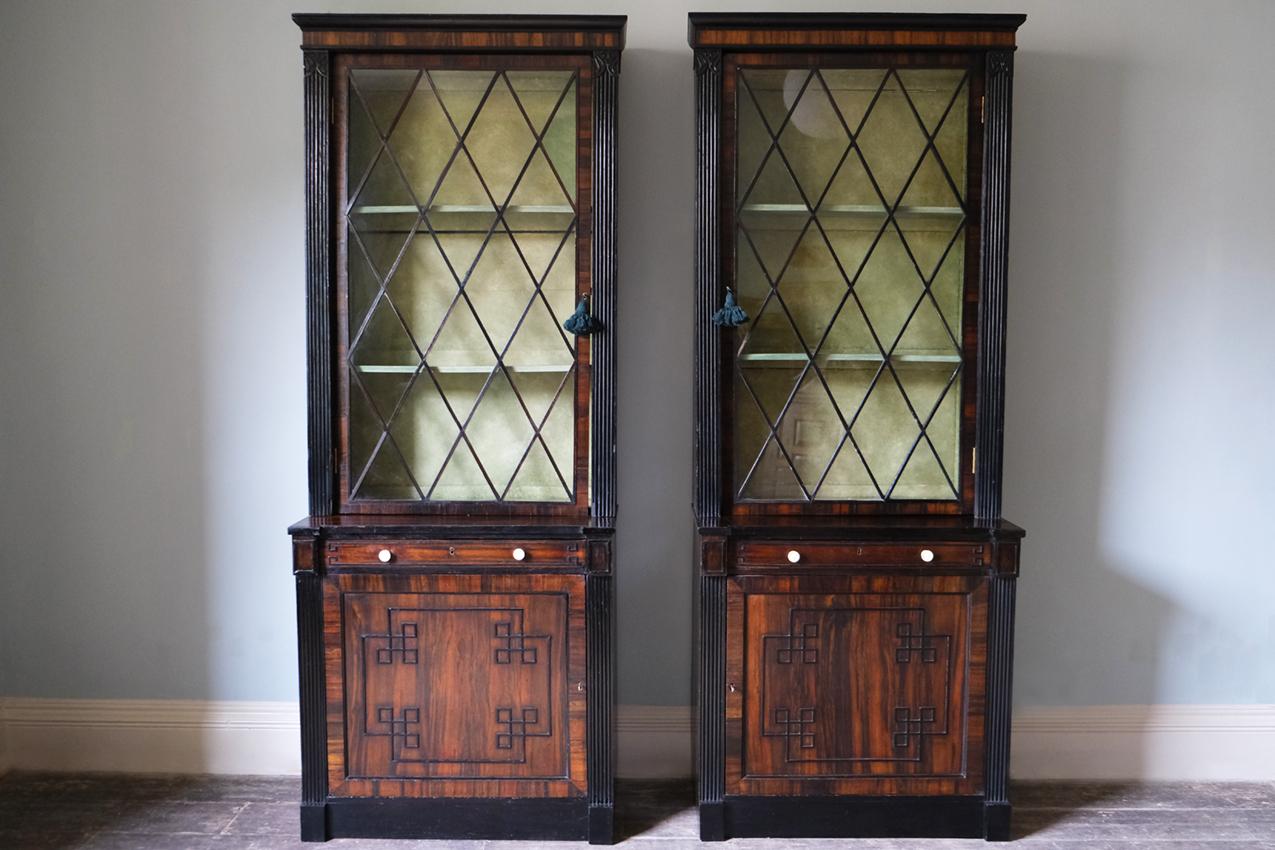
[
  {"x": 465, "y": 165},
  {"x": 845, "y": 166}
]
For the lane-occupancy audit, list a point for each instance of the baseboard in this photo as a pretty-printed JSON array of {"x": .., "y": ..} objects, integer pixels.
[
  {"x": 1201, "y": 743},
  {"x": 654, "y": 742},
  {"x": 1146, "y": 742},
  {"x": 151, "y": 736}
]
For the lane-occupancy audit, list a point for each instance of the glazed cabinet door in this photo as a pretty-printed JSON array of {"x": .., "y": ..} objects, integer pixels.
[
  {"x": 463, "y": 183},
  {"x": 855, "y": 685},
  {"x": 464, "y": 685},
  {"x": 853, "y": 252}
]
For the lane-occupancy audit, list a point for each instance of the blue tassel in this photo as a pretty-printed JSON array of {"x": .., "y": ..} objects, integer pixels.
[
  {"x": 580, "y": 322},
  {"x": 731, "y": 315}
]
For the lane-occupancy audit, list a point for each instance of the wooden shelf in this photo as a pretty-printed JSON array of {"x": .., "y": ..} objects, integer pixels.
[
  {"x": 849, "y": 217},
  {"x": 477, "y": 369},
  {"x": 464, "y": 209},
  {"x": 779, "y": 360}
]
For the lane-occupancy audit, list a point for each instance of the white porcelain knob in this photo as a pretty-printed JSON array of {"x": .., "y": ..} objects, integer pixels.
[
  {"x": 927, "y": 555},
  {"x": 385, "y": 556},
  {"x": 793, "y": 556},
  {"x": 519, "y": 554}
]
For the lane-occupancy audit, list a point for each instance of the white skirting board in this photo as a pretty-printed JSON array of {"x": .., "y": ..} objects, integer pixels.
[{"x": 1159, "y": 742}]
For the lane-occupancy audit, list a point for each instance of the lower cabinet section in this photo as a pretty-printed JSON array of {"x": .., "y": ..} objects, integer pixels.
[
  {"x": 456, "y": 685},
  {"x": 854, "y": 703},
  {"x": 472, "y": 704},
  {"x": 855, "y": 685}
]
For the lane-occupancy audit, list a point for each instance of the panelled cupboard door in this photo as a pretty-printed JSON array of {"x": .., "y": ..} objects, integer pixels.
[
  {"x": 855, "y": 685},
  {"x": 460, "y": 685}
]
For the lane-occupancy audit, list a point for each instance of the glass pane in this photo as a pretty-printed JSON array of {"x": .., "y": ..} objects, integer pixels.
[
  {"x": 461, "y": 265},
  {"x": 850, "y": 257}
]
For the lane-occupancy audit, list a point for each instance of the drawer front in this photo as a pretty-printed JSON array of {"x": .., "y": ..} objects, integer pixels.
[
  {"x": 536, "y": 554},
  {"x": 751, "y": 554}
]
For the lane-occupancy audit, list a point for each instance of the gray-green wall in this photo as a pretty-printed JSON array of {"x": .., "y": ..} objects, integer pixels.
[{"x": 151, "y": 343}]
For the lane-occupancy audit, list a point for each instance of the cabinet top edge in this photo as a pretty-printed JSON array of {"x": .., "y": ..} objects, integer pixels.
[
  {"x": 822, "y": 29},
  {"x": 316, "y": 22}
]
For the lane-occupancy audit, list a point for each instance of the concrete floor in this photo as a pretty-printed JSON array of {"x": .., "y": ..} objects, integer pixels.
[{"x": 128, "y": 812}]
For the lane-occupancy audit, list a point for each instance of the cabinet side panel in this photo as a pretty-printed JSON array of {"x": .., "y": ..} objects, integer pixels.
[
  {"x": 992, "y": 277},
  {"x": 318, "y": 123}
]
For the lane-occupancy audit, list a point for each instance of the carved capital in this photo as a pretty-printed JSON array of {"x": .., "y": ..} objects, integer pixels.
[
  {"x": 1000, "y": 62},
  {"x": 708, "y": 61},
  {"x": 315, "y": 63},
  {"x": 606, "y": 63}
]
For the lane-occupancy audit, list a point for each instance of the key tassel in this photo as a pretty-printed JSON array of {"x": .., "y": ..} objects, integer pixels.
[
  {"x": 580, "y": 322},
  {"x": 731, "y": 315}
]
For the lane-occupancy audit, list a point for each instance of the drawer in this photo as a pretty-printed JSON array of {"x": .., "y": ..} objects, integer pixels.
[
  {"x": 797, "y": 555},
  {"x": 539, "y": 554}
]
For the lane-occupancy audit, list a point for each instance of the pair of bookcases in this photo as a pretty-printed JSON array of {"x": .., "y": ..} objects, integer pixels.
[{"x": 854, "y": 578}]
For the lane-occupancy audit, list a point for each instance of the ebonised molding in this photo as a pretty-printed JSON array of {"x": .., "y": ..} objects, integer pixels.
[
  {"x": 854, "y": 20},
  {"x": 318, "y": 274},
  {"x": 493, "y": 23},
  {"x": 708, "y": 288},
  {"x": 494, "y": 819},
  {"x": 857, "y": 817},
  {"x": 606, "y": 85},
  {"x": 710, "y": 754},
  {"x": 1000, "y": 680},
  {"x": 314, "y": 738},
  {"x": 600, "y": 629},
  {"x": 994, "y": 256}
]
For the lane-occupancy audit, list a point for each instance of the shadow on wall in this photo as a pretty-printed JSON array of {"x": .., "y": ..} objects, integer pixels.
[
  {"x": 1087, "y": 633},
  {"x": 656, "y": 197}
]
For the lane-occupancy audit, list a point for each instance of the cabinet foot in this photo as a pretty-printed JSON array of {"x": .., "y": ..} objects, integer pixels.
[
  {"x": 712, "y": 822},
  {"x": 601, "y": 824},
  {"x": 314, "y": 822},
  {"x": 996, "y": 821}
]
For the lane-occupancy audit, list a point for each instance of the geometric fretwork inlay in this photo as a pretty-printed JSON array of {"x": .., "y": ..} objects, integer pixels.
[
  {"x": 511, "y": 643},
  {"x": 515, "y": 727},
  {"x": 910, "y": 643},
  {"x": 908, "y": 724},
  {"x": 848, "y": 687},
  {"x": 429, "y": 675},
  {"x": 801, "y": 726},
  {"x": 402, "y": 644},
  {"x": 801, "y": 645},
  {"x": 399, "y": 726}
]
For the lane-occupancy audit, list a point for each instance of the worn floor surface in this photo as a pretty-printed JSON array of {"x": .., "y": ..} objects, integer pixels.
[{"x": 117, "y": 812}]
